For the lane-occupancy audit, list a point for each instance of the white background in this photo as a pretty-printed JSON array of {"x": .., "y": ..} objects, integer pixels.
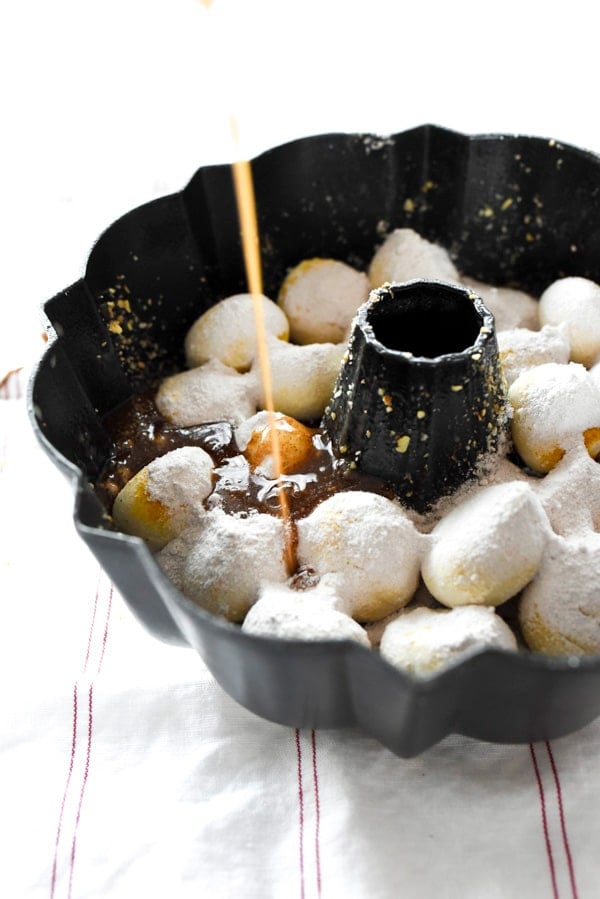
[{"x": 108, "y": 104}]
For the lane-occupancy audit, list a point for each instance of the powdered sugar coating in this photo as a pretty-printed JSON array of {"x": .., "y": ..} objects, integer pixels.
[
  {"x": 163, "y": 498},
  {"x": 555, "y": 407},
  {"x": 366, "y": 549},
  {"x": 405, "y": 255},
  {"x": 576, "y": 302},
  {"x": 570, "y": 494},
  {"x": 320, "y": 298},
  {"x": 520, "y": 349},
  {"x": 555, "y": 413},
  {"x": 227, "y": 331},
  {"x": 511, "y": 308},
  {"x": 487, "y": 548},
  {"x": 301, "y": 615},
  {"x": 595, "y": 373},
  {"x": 211, "y": 392},
  {"x": 222, "y": 561},
  {"x": 559, "y": 612},
  {"x": 303, "y": 377},
  {"x": 182, "y": 476},
  {"x": 424, "y": 641}
]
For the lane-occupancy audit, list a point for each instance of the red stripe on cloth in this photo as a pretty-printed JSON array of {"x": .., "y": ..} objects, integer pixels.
[
  {"x": 105, "y": 632},
  {"x": 64, "y": 799},
  {"x": 317, "y": 811},
  {"x": 95, "y": 647},
  {"x": 300, "y": 810},
  {"x": 563, "y": 822},
  {"x": 84, "y": 781},
  {"x": 547, "y": 841},
  {"x": 91, "y": 631}
]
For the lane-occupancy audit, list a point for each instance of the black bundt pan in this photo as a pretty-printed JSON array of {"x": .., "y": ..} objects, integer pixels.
[{"x": 512, "y": 210}]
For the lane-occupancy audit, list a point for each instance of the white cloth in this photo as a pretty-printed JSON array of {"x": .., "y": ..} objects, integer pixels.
[{"x": 126, "y": 771}]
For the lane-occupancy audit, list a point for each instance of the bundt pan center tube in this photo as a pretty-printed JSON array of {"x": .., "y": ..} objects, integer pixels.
[
  {"x": 518, "y": 211},
  {"x": 420, "y": 399}
]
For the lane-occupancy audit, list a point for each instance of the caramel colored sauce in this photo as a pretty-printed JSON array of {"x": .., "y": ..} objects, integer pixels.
[{"x": 139, "y": 433}]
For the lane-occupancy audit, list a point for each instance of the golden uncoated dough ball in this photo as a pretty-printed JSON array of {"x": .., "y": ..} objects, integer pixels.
[
  {"x": 365, "y": 548},
  {"x": 161, "y": 499},
  {"x": 555, "y": 407},
  {"x": 254, "y": 439},
  {"x": 320, "y": 298},
  {"x": 487, "y": 548},
  {"x": 575, "y": 301},
  {"x": 423, "y": 641},
  {"x": 227, "y": 331},
  {"x": 559, "y": 612}
]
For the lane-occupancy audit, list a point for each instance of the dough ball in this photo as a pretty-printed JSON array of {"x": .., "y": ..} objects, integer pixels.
[
  {"x": 254, "y": 438},
  {"x": 211, "y": 392},
  {"x": 511, "y": 308},
  {"x": 303, "y": 377},
  {"x": 575, "y": 301},
  {"x": 223, "y": 560},
  {"x": 365, "y": 548},
  {"x": 405, "y": 255},
  {"x": 161, "y": 499},
  {"x": 559, "y": 612},
  {"x": 487, "y": 548},
  {"x": 320, "y": 298},
  {"x": 424, "y": 641},
  {"x": 570, "y": 494},
  {"x": 555, "y": 407},
  {"x": 595, "y": 373},
  {"x": 301, "y": 615},
  {"x": 227, "y": 331},
  {"x": 520, "y": 349}
]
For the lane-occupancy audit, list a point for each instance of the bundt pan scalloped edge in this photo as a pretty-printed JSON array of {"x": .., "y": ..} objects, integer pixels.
[{"x": 328, "y": 195}]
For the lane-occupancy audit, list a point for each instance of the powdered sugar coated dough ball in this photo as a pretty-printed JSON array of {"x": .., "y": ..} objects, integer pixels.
[
  {"x": 303, "y": 377},
  {"x": 424, "y": 641},
  {"x": 570, "y": 494},
  {"x": 559, "y": 612},
  {"x": 227, "y": 331},
  {"x": 520, "y": 349},
  {"x": 487, "y": 548},
  {"x": 365, "y": 548},
  {"x": 511, "y": 308},
  {"x": 211, "y": 392},
  {"x": 301, "y": 615},
  {"x": 161, "y": 499},
  {"x": 555, "y": 407},
  {"x": 405, "y": 255},
  {"x": 222, "y": 561},
  {"x": 575, "y": 301},
  {"x": 320, "y": 298},
  {"x": 595, "y": 373}
]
